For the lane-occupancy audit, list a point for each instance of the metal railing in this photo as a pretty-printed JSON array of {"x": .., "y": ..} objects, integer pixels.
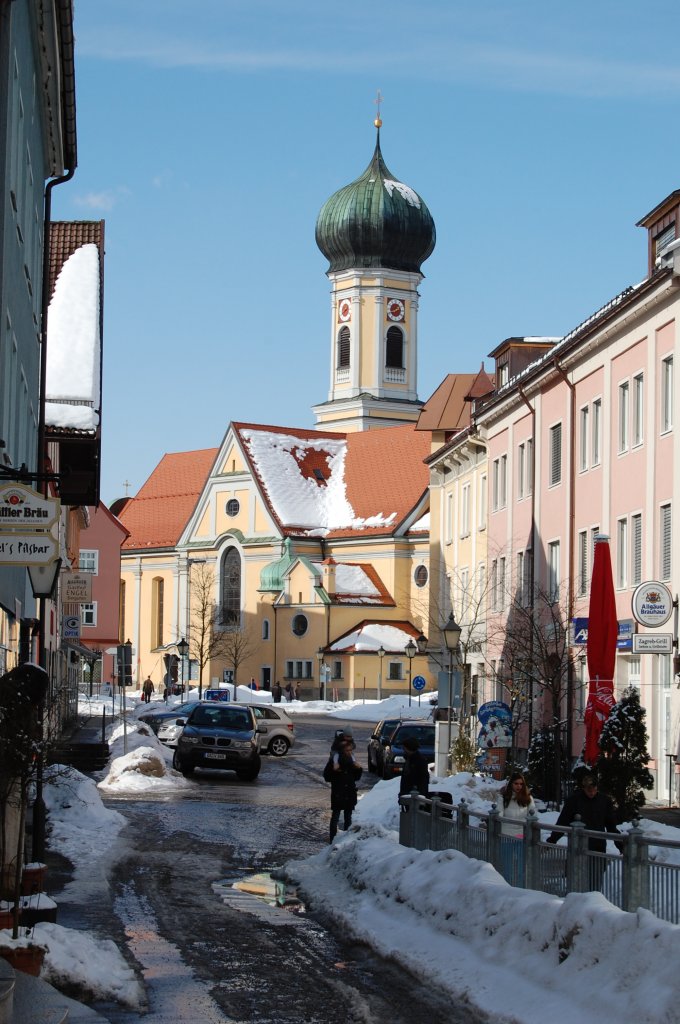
[{"x": 631, "y": 873}]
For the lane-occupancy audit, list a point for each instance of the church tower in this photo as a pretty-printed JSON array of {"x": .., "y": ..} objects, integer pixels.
[{"x": 375, "y": 233}]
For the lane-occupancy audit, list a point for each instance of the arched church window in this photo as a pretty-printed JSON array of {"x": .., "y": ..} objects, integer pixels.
[
  {"x": 343, "y": 348},
  {"x": 394, "y": 348},
  {"x": 230, "y": 595}
]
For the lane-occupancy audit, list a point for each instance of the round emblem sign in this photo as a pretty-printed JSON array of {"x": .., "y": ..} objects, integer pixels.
[
  {"x": 652, "y": 604},
  {"x": 418, "y": 683}
]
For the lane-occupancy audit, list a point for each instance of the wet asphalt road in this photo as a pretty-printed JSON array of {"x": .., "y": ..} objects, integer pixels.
[{"x": 209, "y": 954}]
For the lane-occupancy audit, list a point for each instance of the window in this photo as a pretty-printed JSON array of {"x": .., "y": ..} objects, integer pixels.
[
  {"x": 663, "y": 239},
  {"x": 584, "y": 438},
  {"x": 582, "y": 583},
  {"x": 665, "y": 543},
  {"x": 482, "y": 502},
  {"x": 530, "y": 466},
  {"x": 230, "y": 592},
  {"x": 394, "y": 348},
  {"x": 521, "y": 470},
  {"x": 624, "y": 415},
  {"x": 636, "y": 550},
  {"x": 667, "y": 394},
  {"x": 289, "y": 669},
  {"x": 638, "y": 409},
  {"x": 448, "y": 533},
  {"x": 233, "y": 507},
  {"x": 395, "y": 670},
  {"x": 299, "y": 625},
  {"x": 519, "y": 588},
  {"x": 597, "y": 432},
  {"x": 88, "y": 561},
  {"x": 594, "y": 531},
  {"x": 555, "y": 455},
  {"x": 88, "y": 614},
  {"x": 421, "y": 576},
  {"x": 499, "y": 482},
  {"x": 157, "y": 600},
  {"x": 343, "y": 348},
  {"x": 265, "y": 629},
  {"x": 503, "y": 374},
  {"x": 494, "y": 585},
  {"x": 621, "y": 553},
  {"x": 501, "y": 582},
  {"x": 553, "y": 570},
  {"x": 465, "y": 511},
  {"x": 337, "y": 670}
]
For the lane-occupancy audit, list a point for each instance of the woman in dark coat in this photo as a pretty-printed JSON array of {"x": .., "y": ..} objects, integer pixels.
[{"x": 344, "y": 774}]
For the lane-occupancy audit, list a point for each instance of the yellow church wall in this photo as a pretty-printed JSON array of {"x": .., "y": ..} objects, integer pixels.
[
  {"x": 241, "y": 521},
  {"x": 204, "y": 528},
  {"x": 233, "y": 461}
]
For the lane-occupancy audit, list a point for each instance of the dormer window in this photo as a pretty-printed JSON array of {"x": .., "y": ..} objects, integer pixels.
[
  {"x": 502, "y": 374},
  {"x": 663, "y": 239}
]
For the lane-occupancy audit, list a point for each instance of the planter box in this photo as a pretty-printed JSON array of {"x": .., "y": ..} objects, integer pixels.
[
  {"x": 27, "y": 959},
  {"x": 33, "y": 879}
]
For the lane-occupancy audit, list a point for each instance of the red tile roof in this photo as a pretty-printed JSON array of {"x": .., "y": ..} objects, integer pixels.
[
  {"x": 156, "y": 517},
  {"x": 68, "y": 235},
  {"x": 447, "y": 408}
]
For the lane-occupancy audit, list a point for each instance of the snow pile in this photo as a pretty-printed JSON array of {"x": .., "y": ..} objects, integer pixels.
[
  {"x": 87, "y": 967},
  {"x": 80, "y": 827},
  {"x": 140, "y": 762},
  {"x": 73, "y": 355}
]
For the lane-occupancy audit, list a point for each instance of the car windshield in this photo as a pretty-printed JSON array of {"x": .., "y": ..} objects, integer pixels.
[
  {"x": 221, "y": 718},
  {"x": 388, "y": 727},
  {"x": 423, "y": 733}
]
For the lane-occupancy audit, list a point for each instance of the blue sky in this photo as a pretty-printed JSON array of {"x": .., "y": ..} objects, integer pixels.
[{"x": 209, "y": 136}]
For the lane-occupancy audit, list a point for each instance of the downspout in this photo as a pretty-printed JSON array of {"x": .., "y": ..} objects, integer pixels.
[
  {"x": 572, "y": 521},
  {"x": 532, "y": 567}
]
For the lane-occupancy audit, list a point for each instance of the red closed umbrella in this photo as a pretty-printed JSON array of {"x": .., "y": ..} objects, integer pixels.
[{"x": 603, "y": 629}]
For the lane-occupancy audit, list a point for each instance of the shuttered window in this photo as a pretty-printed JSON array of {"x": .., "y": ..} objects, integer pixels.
[
  {"x": 621, "y": 553},
  {"x": 665, "y": 542},
  {"x": 636, "y": 550},
  {"x": 583, "y": 562},
  {"x": 555, "y": 475},
  {"x": 343, "y": 348},
  {"x": 394, "y": 348}
]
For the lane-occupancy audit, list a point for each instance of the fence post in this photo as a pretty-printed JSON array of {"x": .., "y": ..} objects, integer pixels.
[
  {"x": 577, "y": 857},
  {"x": 463, "y": 816},
  {"x": 435, "y": 822},
  {"x": 422, "y": 824},
  {"x": 635, "y": 870},
  {"x": 493, "y": 839},
  {"x": 407, "y": 827},
  {"x": 532, "y": 852}
]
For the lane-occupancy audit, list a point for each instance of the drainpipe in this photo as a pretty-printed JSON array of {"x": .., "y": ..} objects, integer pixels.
[
  {"x": 572, "y": 521},
  {"x": 532, "y": 573}
]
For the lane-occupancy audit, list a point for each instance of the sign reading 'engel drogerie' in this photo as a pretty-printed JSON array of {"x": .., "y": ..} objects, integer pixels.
[{"x": 652, "y": 604}]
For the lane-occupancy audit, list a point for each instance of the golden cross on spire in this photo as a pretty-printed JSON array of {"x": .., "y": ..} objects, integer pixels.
[{"x": 378, "y": 100}]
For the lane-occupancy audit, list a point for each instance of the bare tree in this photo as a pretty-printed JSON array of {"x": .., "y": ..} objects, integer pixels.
[
  {"x": 209, "y": 637},
  {"x": 238, "y": 645}
]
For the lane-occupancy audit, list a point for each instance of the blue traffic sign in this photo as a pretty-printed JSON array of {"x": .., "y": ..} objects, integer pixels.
[{"x": 419, "y": 683}]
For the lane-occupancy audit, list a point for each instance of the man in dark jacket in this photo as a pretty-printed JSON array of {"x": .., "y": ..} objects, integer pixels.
[
  {"x": 415, "y": 774},
  {"x": 597, "y": 813}
]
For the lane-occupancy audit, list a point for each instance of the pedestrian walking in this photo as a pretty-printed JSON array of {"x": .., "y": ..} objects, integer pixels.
[
  {"x": 252, "y": 685},
  {"x": 415, "y": 774},
  {"x": 277, "y": 692},
  {"x": 296, "y": 691},
  {"x": 343, "y": 771},
  {"x": 147, "y": 689},
  {"x": 596, "y": 811},
  {"x": 517, "y": 804},
  {"x": 289, "y": 692}
]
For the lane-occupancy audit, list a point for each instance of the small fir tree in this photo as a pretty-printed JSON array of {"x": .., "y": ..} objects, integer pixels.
[
  {"x": 463, "y": 754},
  {"x": 542, "y": 764},
  {"x": 622, "y": 765}
]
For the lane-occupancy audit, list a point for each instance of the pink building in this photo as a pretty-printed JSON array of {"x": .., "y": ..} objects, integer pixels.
[
  {"x": 581, "y": 440},
  {"x": 100, "y": 544}
]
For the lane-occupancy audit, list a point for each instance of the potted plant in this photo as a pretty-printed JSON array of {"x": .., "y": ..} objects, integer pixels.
[{"x": 22, "y": 695}]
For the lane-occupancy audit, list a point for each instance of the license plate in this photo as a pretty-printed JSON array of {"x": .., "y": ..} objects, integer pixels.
[{"x": 217, "y": 757}]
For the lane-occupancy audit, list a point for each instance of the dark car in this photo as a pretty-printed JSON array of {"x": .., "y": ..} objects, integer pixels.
[
  {"x": 393, "y": 763},
  {"x": 162, "y": 713},
  {"x": 217, "y": 735},
  {"x": 376, "y": 749}
]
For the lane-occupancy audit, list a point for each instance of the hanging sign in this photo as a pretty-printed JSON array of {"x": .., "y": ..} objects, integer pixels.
[
  {"x": 22, "y": 508},
  {"x": 652, "y": 604},
  {"x": 27, "y": 548},
  {"x": 76, "y": 587}
]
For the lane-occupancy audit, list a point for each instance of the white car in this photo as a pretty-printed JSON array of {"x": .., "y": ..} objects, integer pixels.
[
  {"x": 276, "y": 729},
  {"x": 169, "y": 732}
]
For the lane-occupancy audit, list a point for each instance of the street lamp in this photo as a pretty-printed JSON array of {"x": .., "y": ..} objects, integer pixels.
[
  {"x": 182, "y": 648},
  {"x": 381, "y": 654},
  {"x": 322, "y": 673},
  {"x": 410, "y": 650},
  {"x": 451, "y": 631}
]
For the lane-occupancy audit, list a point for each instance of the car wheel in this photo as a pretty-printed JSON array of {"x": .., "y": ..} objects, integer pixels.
[
  {"x": 278, "y": 746},
  {"x": 179, "y": 765},
  {"x": 249, "y": 774}
]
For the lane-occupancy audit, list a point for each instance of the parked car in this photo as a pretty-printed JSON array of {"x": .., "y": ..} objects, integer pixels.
[
  {"x": 376, "y": 750},
  {"x": 275, "y": 727},
  {"x": 162, "y": 713},
  {"x": 168, "y": 732},
  {"x": 393, "y": 750},
  {"x": 217, "y": 735}
]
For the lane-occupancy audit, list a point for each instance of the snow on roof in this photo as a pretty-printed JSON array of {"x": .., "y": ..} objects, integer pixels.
[
  {"x": 74, "y": 417},
  {"x": 73, "y": 342},
  {"x": 405, "y": 191},
  {"x": 369, "y": 636},
  {"x": 421, "y": 524},
  {"x": 351, "y": 579},
  {"x": 304, "y": 478}
]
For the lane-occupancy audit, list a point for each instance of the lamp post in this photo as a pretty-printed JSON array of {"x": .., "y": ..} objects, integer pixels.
[
  {"x": 182, "y": 648},
  {"x": 410, "y": 650},
  {"x": 381, "y": 654},
  {"x": 451, "y": 631},
  {"x": 322, "y": 673}
]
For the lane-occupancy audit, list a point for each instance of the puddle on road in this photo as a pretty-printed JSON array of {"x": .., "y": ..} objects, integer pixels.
[{"x": 271, "y": 891}]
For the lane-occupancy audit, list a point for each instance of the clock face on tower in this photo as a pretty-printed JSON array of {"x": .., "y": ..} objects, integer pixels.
[
  {"x": 395, "y": 310},
  {"x": 344, "y": 311}
]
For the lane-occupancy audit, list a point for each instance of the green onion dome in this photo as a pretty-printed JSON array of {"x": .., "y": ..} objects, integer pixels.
[{"x": 377, "y": 221}]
